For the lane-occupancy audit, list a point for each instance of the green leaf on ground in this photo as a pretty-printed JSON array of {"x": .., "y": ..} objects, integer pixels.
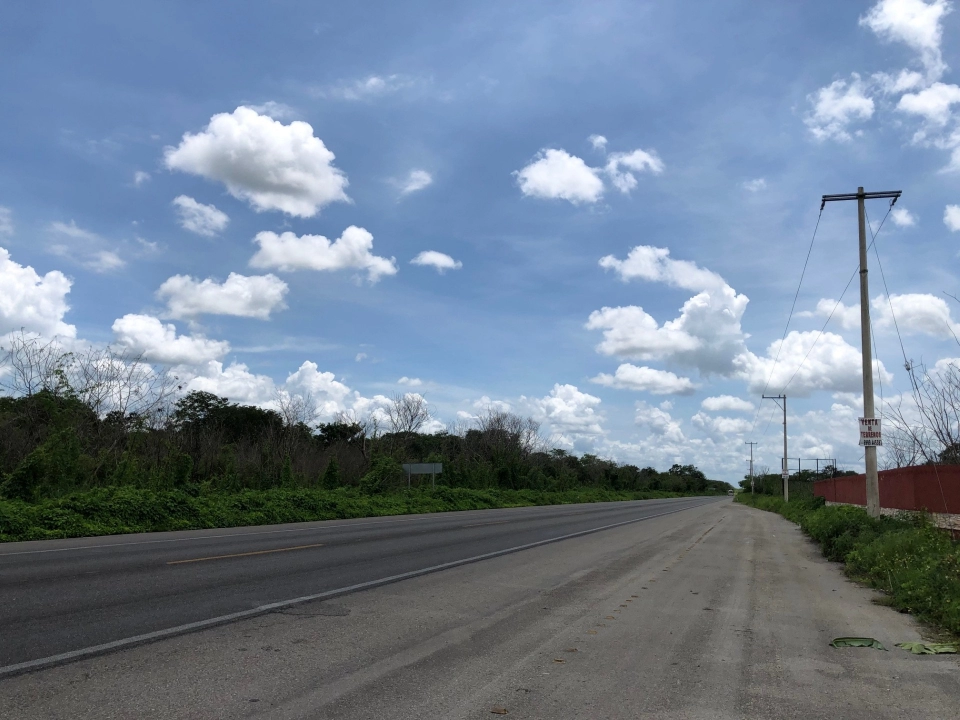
[
  {"x": 919, "y": 648},
  {"x": 857, "y": 642}
]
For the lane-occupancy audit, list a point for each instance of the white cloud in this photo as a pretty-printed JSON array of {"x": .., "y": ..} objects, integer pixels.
[
  {"x": 236, "y": 382},
  {"x": 904, "y": 80},
  {"x": 411, "y": 382},
  {"x": 37, "y": 303},
  {"x": 832, "y": 365},
  {"x": 951, "y": 217},
  {"x": 555, "y": 174},
  {"x": 140, "y": 177},
  {"x": 270, "y": 165},
  {"x": 368, "y": 88},
  {"x": 485, "y": 404},
  {"x": 903, "y": 218},
  {"x": 352, "y": 250},
  {"x": 836, "y": 106},
  {"x": 727, "y": 403},
  {"x": 416, "y": 180},
  {"x": 438, "y": 260},
  {"x": 645, "y": 379},
  {"x": 329, "y": 394},
  {"x": 659, "y": 422},
  {"x": 71, "y": 230},
  {"x": 103, "y": 261},
  {"x": 360, "y": 357},
  {"x": 196, "y": 217},
  {"x": 568, "y": 411},
  {"x": 159, "y": 342},
  {"x": 6, "y": 221},
  {"x": 933, "y": 103},
  {"x": 707, "y": 334},
  {"x": 916, "y": 314},
  {"x": 755, "y": 185},
  {"x": 718, "y": 427},
  {"x": 619, "y": 166},
  {"x": 244, "y": 296},
  {"x": 276, "y": 110},
  {"x": 915, "y": 23},
  {"x": 599, "y": 142},
  {"x": 87, "y": 254}
]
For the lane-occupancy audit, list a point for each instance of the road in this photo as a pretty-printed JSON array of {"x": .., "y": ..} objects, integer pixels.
[
  {"x": 67, "y": 596},
  {"x": 713, "y": 611}
]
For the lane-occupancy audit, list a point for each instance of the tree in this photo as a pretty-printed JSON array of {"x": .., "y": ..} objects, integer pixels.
[{"x": 407, "y": 413}]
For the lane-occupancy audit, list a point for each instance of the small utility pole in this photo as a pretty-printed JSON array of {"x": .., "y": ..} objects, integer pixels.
[
  {"x": 751, "y": 444},
  {"x": 785, "y": 470},
  {"x": 869, "y": 451}
]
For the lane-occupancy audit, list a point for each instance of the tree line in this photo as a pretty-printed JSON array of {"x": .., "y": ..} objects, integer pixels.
[{"x": 78, "y": 420}]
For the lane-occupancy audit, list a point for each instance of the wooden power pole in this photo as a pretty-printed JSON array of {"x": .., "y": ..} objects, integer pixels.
[
  {"x": 785, "y": 471},
  {"x": 751, "y": 444},
  {"x": 870, "y": 443}
]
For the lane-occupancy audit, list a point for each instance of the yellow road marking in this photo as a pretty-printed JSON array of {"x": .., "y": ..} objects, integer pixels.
[{"x": 246, "y": 554}]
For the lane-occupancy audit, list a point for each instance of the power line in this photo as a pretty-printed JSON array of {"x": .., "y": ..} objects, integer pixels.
[{"x": 789, "y": 317}]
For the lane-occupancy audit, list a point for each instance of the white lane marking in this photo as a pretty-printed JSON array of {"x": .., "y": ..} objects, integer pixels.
[
  {"x": 266, "y": 532},
  {"x": 260, "y": 610}
]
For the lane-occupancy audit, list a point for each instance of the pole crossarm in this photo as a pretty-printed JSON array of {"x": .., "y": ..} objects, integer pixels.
[{"x": 893, "y": 195}]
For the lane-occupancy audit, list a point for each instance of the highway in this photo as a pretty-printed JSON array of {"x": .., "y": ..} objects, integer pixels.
[
  {"x": 690, "y": 609},
  {"x": 71, "y": 596}
]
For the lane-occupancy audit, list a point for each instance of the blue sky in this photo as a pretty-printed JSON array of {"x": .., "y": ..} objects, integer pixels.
[{"x": 615, "y": 199}]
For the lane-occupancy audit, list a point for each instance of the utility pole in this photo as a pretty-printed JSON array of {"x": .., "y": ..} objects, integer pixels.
[
  {"x": 751, "y": 444},
  {"x": 870, "y": 450},
  {"x": 785, "y": 471}
]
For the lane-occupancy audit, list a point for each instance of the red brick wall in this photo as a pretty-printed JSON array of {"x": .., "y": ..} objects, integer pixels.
[{"x": 935, "y": 488}]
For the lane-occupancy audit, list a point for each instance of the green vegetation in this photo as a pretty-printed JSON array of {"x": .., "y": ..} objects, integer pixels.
[
  {"x": 114, "y": 510},
  {"x": 914, "y": 563},
  {"x": 102, "y": 443}
]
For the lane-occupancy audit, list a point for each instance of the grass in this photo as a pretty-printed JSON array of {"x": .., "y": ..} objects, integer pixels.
[
  {"x": 914, "y": 563},
  {"x": 117, "y": 510}
]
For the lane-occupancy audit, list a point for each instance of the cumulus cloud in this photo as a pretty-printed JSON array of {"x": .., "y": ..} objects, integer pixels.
[
  {"x": 726, "y": 403},
  {"x": 555, "y": 174},
  {"x": 659, "y": 422},
  {"x": 352, "y": 250},
  {"x": 934, "y": 103},
  {"x": 831, "y": 364},
  {"x": 916, "y": 314},
  {"x": 158, "y": 342},
  {"x": 568, "y": 411},
  {"x": 438, "y": 260},
  {"x": 323, "y": 387},
  {"x": 6, "y": 221},
  {"x": 37, "y": 303},
  {"x": 196, "y": 217},
  {"x": 140, "y": 177},
  {"x": 755, "y": 185},
  {"x": 243, "y": 296},
  {"x": 645, "y": 379},
  {"x": 416, "y": 180},
  {"x": 915, "y": 23},
  {"x": 262, "y": 161},
  {"x": 836, "y": 106},
  {"x": 951, "y": 217},
  {"x": 903, "y": 218},
  {"x": 235, "y": 382},
  {"x": 360, "y": 357},
  {"x": 411, "y": 382},
  {"x": 620, "y": 165},
  {"x": 718, "y": 427},
  {"x": 599, "y": 142},
  {"x": 707, "y": 334}
]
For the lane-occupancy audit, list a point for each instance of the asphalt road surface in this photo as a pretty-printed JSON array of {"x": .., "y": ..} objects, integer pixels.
[{"x": 714, "y": 610}]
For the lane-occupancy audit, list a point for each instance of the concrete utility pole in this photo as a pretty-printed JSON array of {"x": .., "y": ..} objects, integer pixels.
[
  {"x": 751, "y": 444},
  {"x": 869, "y": 451},
  {"x": 785, "y": 471}
]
